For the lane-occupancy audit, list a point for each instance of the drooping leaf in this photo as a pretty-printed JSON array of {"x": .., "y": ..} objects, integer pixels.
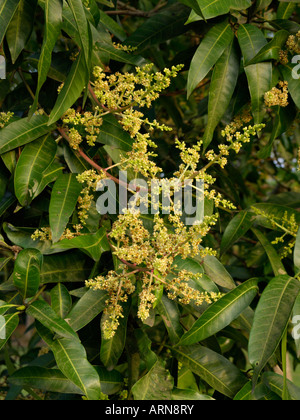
[
  {"x": 259, "y": 76},
  {"x": 208, "y": 53},
  {"x": 53, "y": 22},
  {"x": 20, "y": 27},
  {"x": 61, "y": 301},
  {"x": 34, "y": 160},
  {"x": 7, "y": 11},
  {"x": 50, "y": 380},
  {"x": 213, "y": 368},
  {"x": 87, "y": 308},
  {"x": 43, "y": 312},
  {"x": 221, "y": 313},
  {"x": 157, "y": 384},
  {"x": 64, "y": 197},
  {"x": 8, "y": 324},
  {"x": 237, "y": 228},
  {"x": 222, "y": 86},
  {"x": 21, "y": 132},
  {"x": 26, "y": 273},
  {"x": 271, "y": 317}
]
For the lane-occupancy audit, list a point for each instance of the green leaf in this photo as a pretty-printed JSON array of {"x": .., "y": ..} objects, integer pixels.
[
  {"x": 276, "y": 383},
  {"x": 53, "y": 23},
  {"x": 213, "y": 368},
  {"x": 218, "y": 273},
  {"x": 7, "y": 11},
  {"x": 208, "y": 53},
  {"x": 285, "y": 9},
  {"x": 156, "y": 385},
  {"x": 34, "y": 160},
  {"x": 237, "y": 228},
  {"x": 21, "y": 132},
  {"x": 170, "y": 314},
  {"x": 8, "y": 325},
  {"x": 272, "y": 49},
  {"x": 112, "y": 134},
  {"x": 144, "y": 344},
  {"x": 83, "y": 29},
  {"x": 87, "y": 308},
  {"x": 273, "y": 256},
  {"x": 118, "y": 55},
  {"x": 20, "y": 27},
  {"x": 63, "y": 201},
  {"x": 93, "y": 244},
  {"x": 49, "y": 175},
  {"x": 213, "y": 8},
  {"x": 259, "y": 76},
  {"x": 43, "y": 312},
  {"x": 291, "y": 74},
  {"x": 111, "y": 382},
  {"x": 61, "y": 300},
  {"x": 223, "y": 83},
  {"x": 26, "y": 273},
  {"x": 271, "y": 318},
  {"x": 72, "y": 89},
  {"x": 67, "y": 267},
  {"x": 189, "y": 395},
  {"x": 49, "y": 380},
  {"x": 160, "y": 27},
  {"x": 219, "y": 315},
  {"x": 71, "y": 359}
]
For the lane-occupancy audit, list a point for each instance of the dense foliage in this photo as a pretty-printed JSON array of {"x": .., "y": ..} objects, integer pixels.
[{"x": 129, "y": 305}]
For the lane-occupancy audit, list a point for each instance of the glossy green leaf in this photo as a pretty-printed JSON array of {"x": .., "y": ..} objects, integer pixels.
[
  {"x": 272, "y": 49},
  {"x": 63, "y": 201},
  {"x": 34, "y": 160},
  {"x": 7, "y": 11},
  {"x": 223, "y": 83},
  {"x": 67, "y": 267},
  {"x": 291, "y": 73},
  {"x": 170, "y": 314},
  {"x": 276, "y": 384},
  {"x": 53, "y": 23},
  {"x": 271, "y": 317},
  {"x": 259, "y": 76},
  {"x": 189, "y": 395},
  {"x": 20, "y": 27},
  {"x": 237, "y": 228},
  {"x": 21, "y": 132},
  {"x": 218, "y": 273},
  {"x": 50, "y": 380},
  {"x": 71, "y": 359},
  {"x": 112, "y": 134},
  {"x": 221, "y": 313},
  {"x": 83, "y": 29},
  {"x": 208, "y": 53},
  {"x": 61, "y": 301},
  {"x": 87, "y": 308},
  {"x": 26, "y": 274},
  {"x": 93, "y": 244},
  {"x": 111, "y": 381},
  {"x": 213, "y": 368},
  {"x": 43, "y": 312},
  {"x": 213, "y": 8},
  {"x": 157, "y": 384}
]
